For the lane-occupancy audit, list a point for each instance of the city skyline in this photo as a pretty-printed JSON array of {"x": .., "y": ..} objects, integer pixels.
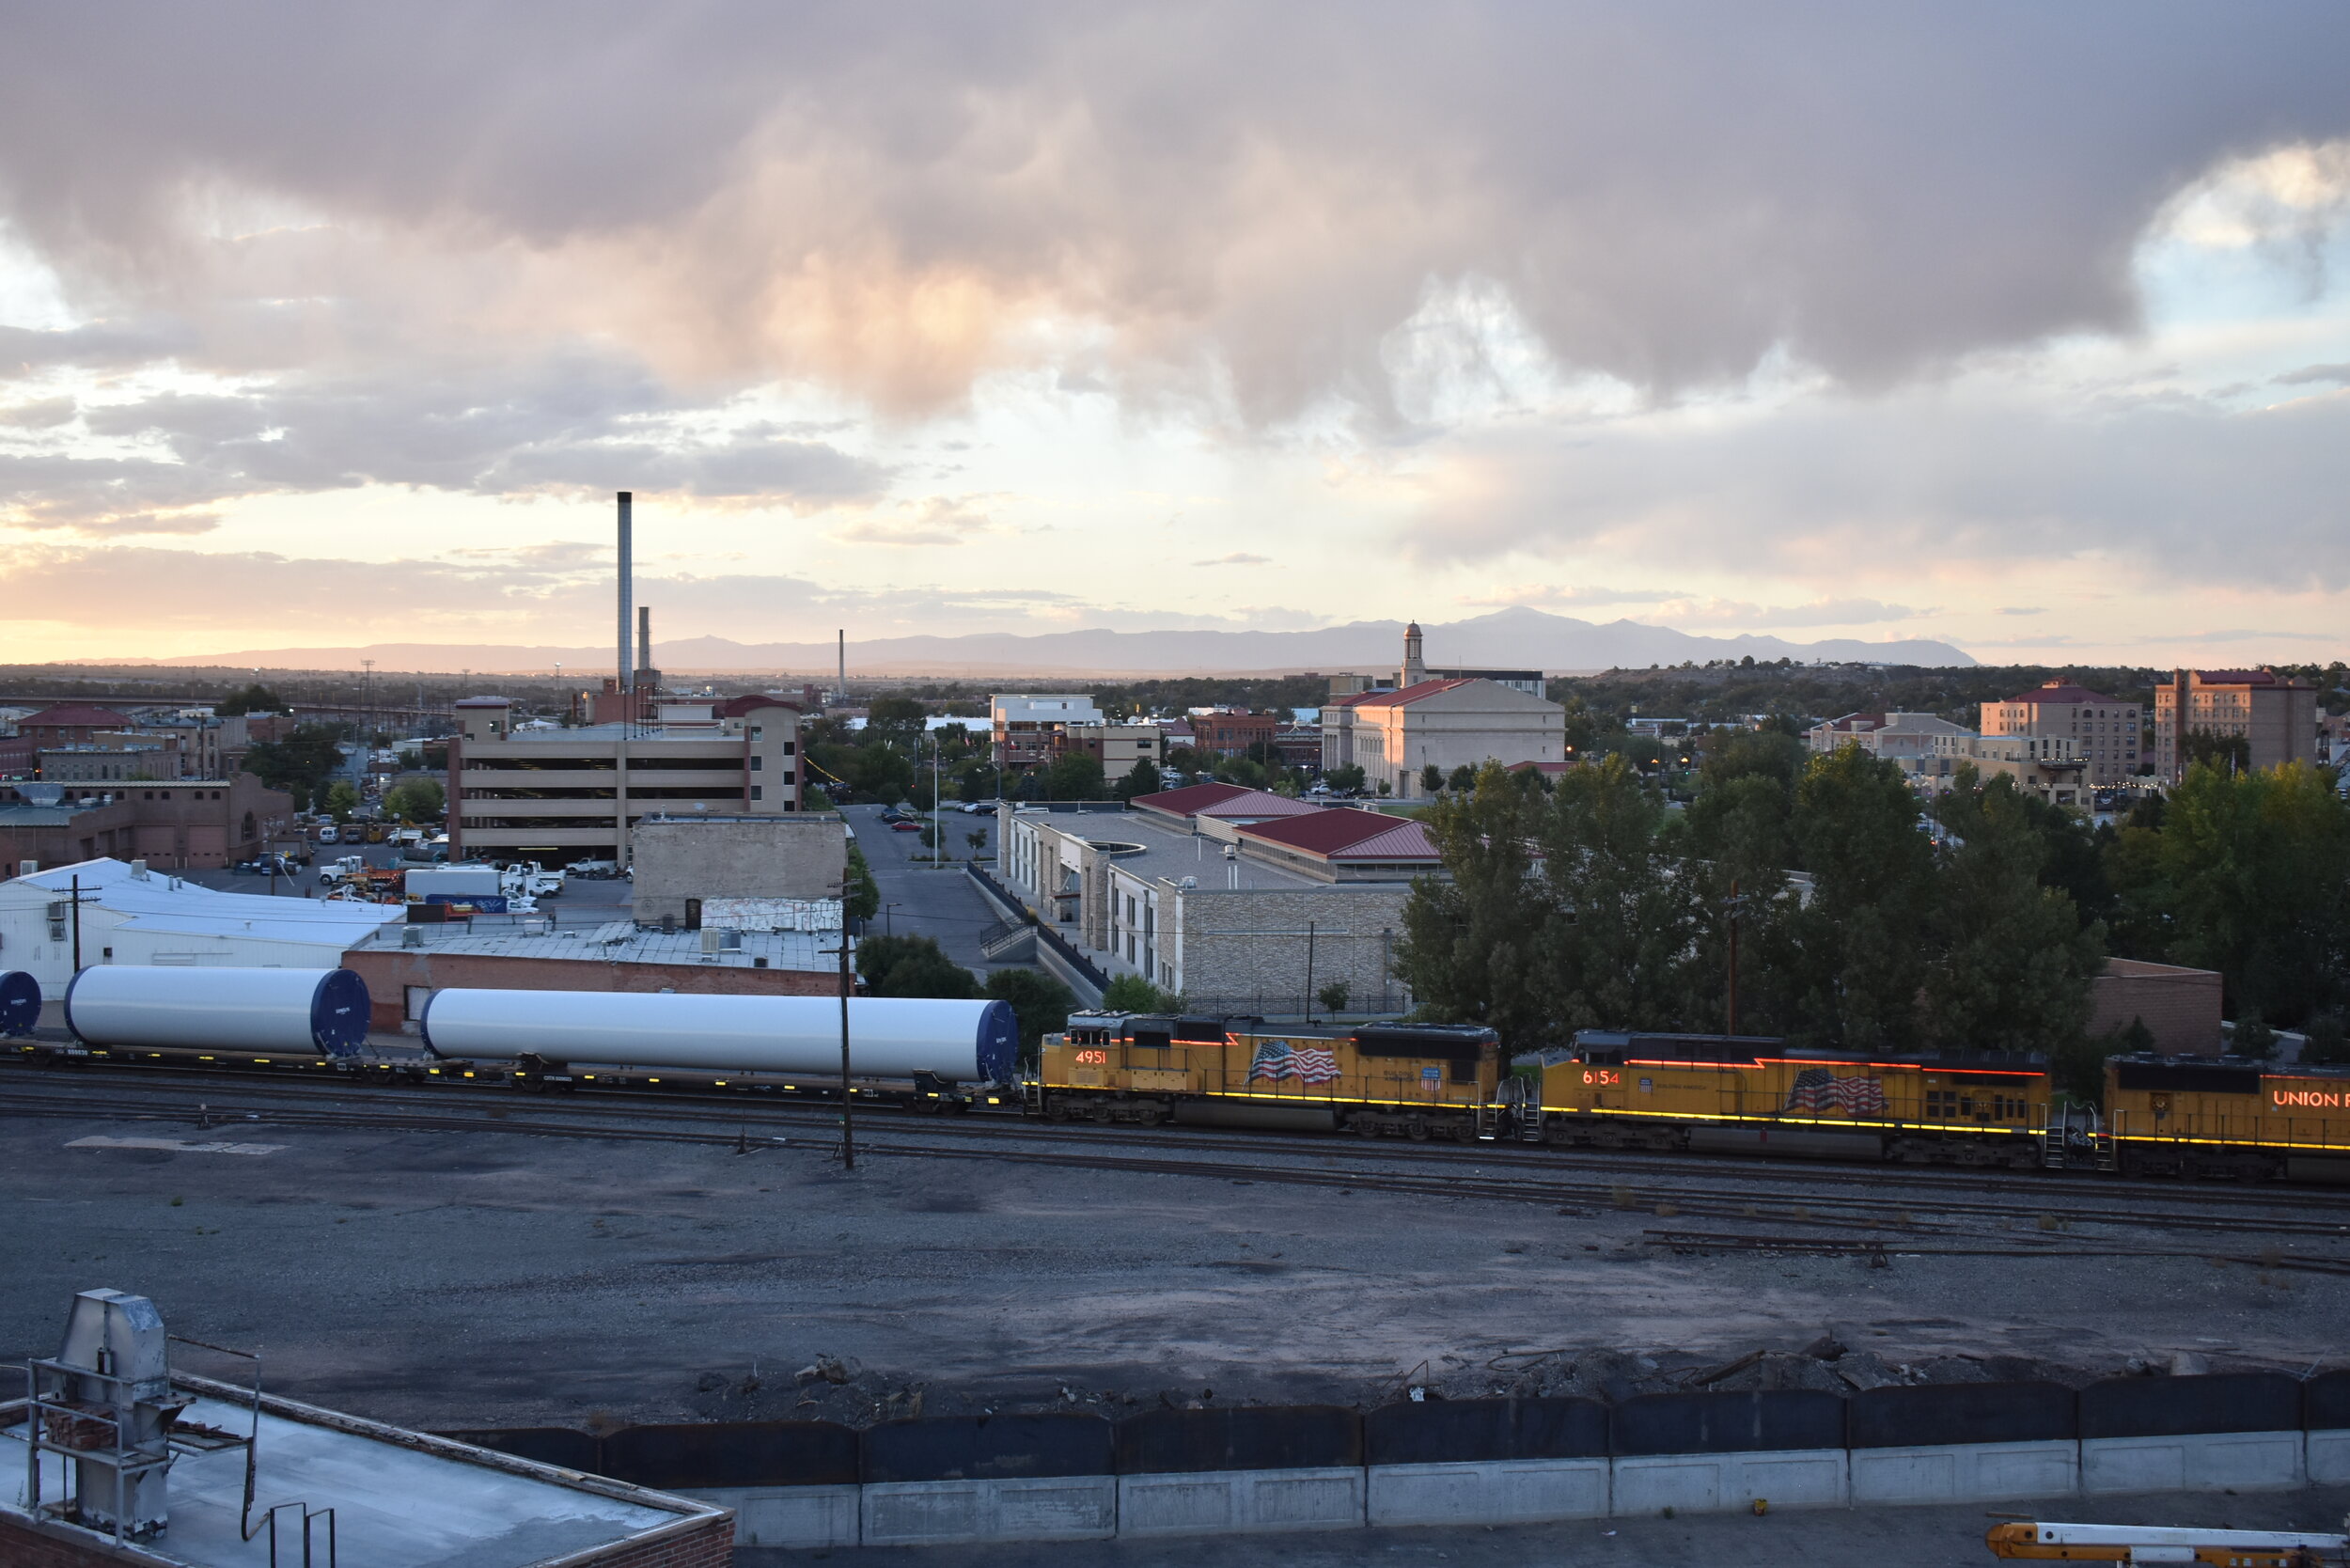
[{"x": 1961, "y": 327}]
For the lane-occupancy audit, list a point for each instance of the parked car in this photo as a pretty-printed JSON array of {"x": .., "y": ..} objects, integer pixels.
[
  {"x": 905, "y": 824},
  {"x": 971, "y": 807}
]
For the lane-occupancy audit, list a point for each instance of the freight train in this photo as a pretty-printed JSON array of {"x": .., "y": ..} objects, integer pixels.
[{"x": 2180, "y": 1116}]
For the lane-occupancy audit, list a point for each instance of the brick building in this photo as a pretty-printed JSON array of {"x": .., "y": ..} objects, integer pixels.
[
  {"x": 402, "y": 972},
  {"x": 2180, "y": 1007},
  {"x": 1230, "y": 731},
  {"x": 65, "y": 724},
  {"x": 172, "y": 824},
  {"x": 2275, "y": 716}
]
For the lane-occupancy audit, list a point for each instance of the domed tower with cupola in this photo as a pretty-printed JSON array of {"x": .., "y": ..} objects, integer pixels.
[{"x": 1415, "y": 669}]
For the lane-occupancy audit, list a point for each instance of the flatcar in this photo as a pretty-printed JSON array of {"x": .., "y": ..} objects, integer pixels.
[
  {"x": 1755, "y": 1095},
  {"x": 2227, "y": 1118},
  {"x": 1411, "y": 1080}
]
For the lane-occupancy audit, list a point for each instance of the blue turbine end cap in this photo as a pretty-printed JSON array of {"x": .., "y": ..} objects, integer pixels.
[
  {"x": 338, "y": 1012},
  {"x": 999, "y": 1043},
  {"x": 20, "y": 1002}
]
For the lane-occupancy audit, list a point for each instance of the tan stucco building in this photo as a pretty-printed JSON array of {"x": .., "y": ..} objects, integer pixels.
[
  {"x": 2275, "y": 716},
  {"x": 2107, "y": 733}
]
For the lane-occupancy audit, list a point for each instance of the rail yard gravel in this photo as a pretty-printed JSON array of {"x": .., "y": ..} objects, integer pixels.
[{"x": 478, "y": 1279}]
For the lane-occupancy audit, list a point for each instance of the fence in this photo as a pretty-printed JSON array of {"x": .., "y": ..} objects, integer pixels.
[
  {"x": 1073, "y": 1475},
  {"x": 1063, "y": 947}
]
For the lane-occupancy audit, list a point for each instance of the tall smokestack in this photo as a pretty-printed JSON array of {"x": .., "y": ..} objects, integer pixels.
[
  {"x": 644, "y": 637},
  {"x": 628, "y": 570},
  {"x": 843, "y": 687}
]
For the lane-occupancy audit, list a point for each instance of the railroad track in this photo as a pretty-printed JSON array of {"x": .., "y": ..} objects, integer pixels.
[
  {"x": 2074, "y": 1197},
  {"x": 1900, "y": 1224}
]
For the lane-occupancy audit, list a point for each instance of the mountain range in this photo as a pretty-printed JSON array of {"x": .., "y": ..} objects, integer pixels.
[{"x": 1517, "y": 638}]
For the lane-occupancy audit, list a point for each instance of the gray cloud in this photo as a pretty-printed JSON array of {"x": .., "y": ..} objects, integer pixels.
[
  {"x": 2316, "y": 375},
  {"x": 43, "y": 414},
  {"x": 2255, "y": 497},
  {"x": 1666, "y": 191},
  {"x": 1238, "y": 558}
]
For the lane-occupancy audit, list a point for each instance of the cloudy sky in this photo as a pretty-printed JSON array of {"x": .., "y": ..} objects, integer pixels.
[{"x": 2022, "y": 326}]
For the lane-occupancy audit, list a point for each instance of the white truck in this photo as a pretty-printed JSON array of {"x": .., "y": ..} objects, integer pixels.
[
  {"x": 338, "y": 870},
  {"x": 483, "y": 889},
  {"x": 535, "y": 880}
]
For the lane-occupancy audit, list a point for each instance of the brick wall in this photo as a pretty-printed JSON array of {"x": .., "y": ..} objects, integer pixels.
[
  {"x": 2181, "y": 1007},
  {"x": 389, "y": 971},
  {"x": 1253, "y": 941},
  {"x": 708, "y": 1544},
  {"x": 27, "y": 1544}
]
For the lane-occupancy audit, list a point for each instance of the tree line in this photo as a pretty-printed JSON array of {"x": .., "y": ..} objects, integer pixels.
[{"x": 1862, "y": 919}]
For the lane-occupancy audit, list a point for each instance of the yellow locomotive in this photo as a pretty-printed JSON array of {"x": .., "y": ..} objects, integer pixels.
[
  {"x": 1747, "y": 1095},
  {"x": 2227, "y": 1118},
  {"x": 1409, "y": 1080}
]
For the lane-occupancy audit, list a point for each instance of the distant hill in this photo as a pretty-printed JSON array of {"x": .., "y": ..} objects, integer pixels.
[{"x": 1511, "y": 638}]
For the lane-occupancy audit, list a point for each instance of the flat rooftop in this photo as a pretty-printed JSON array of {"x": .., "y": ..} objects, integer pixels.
[
  {"x": 401, "y": 1499},
  {"x": 623, "y": 941},
  {"x": 1170, "y": 855}
]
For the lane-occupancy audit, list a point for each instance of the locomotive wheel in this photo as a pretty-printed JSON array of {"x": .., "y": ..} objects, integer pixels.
[
  {"x": 1416, "y": 1131},
  {"x": 1366, "y": 1126}
]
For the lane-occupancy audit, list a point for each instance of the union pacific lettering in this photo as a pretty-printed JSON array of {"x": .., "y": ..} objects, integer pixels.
[{"x": 2310, "y": 1097}]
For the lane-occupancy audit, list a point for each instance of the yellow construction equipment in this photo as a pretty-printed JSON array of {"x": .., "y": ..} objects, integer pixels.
[{"x": 2040, "y": 1541}]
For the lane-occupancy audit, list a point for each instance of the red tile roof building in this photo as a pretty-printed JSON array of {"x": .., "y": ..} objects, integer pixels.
[
  {"x": 1224, "y": 803},
  {"x": 1394, "y": 736},
  {"x": 1341, "y": 845},
  {"x": 2106, "y": 732}
]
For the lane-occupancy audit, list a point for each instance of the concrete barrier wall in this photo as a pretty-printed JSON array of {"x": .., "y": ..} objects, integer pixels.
[
  {"x": 2244, "y": 1460},
  {"x": 790, "y": 1517},
  {"x": 961, "y": 1513},
  {"x": 1226, "y": 1501},
  {"x": 1710, "y": 1483},
  {"x": 1966, "y": 1472},
  {"x": 2327, "y": 1457},
  {"x": 1500, "y": 1492}
]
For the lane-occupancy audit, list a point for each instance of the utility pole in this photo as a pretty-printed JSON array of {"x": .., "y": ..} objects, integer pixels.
[
  {"x": 848, "y": 1132},
  {"x": 74, "y": 886},
  {"x": 1309, "y": 971},
  {"x": 1734, "y": 902}
]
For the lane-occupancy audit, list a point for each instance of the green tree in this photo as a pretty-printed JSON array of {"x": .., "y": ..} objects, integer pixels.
[
  {"x": 1132, "y": 993},
  {"x": 2253, "y": 876},
  {"x": 1860, "y": 942},
  {"x": 300, "y": 763},
  {"x": 1736, "y": 842},
  {"x": 2327, "y": 1042},
  {"x": 911, "y": 966},
  {"x": 1432, "y": 778},
  {"x": 1077, "y": 775},
  {"x": 1333, "y": 996},
  {"x": 1460, "y": 779},
  {"x": 2252, "y": 1038},
  {"x": 1473, "y": 943},
  {"x": 416, "y": 800},
  {"x": 341, "y": 800},
  {"x": 1041, "y": 1003},
  {"x": 1141, "y": 780},
  {"x": 863, "y": 898},
  {"x": 255, "y": 698},
  {"x": 1617, "y": 948},
  {"x": 1346, "y": 778},
  {"x": 2011, "y": 963}
]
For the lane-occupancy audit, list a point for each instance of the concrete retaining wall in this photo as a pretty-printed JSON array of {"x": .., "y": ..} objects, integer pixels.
[
  {"x": 959, "y": 1513},
  {"x": 1504, "y": 1492},
  {"x": 2244, "y": 1460},
  {"x": 1966, "y": 1472},
  {"x": 1710, "y": 1483},
  {"x": 1230, "y": 1501},
  {"x": 2327, "y": 1458},
  {"x": 792, "y": 1516}
]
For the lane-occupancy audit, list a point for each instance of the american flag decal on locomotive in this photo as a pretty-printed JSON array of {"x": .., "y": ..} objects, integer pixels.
[
  {"x": 1818, "y": 1089},
  {"x": 1274, "y": 1061}
]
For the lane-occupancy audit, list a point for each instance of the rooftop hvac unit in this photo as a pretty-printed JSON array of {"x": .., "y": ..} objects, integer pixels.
[
  {"x": 105, "y": 1400},
  {"x": 717, "y": 941}
]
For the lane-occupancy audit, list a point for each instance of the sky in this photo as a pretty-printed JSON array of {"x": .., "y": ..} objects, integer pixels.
[{"x": 2024, "y": 327}]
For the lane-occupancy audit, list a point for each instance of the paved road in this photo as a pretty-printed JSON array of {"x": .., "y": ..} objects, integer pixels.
[
  {"x": 1791, "y": 1538},
  {"x": 929, "y": 901}
]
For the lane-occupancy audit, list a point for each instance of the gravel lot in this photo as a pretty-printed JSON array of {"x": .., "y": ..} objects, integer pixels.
[{"x": 472, "y": 1279}]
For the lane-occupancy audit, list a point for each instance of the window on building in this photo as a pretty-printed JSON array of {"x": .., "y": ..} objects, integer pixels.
[
  {"x": 757, "y": 731},
  {"x": 754, "y": 792},
  {"x": 758, "y": 764}
]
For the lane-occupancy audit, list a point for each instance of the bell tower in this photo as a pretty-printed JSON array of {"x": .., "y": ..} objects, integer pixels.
[{"x": 1414, "y": 669}]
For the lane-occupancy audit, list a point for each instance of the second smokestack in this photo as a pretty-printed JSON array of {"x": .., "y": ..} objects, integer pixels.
[{"x": 627, "y": 665}]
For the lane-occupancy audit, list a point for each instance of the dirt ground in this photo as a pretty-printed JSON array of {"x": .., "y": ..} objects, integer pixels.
[{"x": 453, "y": 1280}]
